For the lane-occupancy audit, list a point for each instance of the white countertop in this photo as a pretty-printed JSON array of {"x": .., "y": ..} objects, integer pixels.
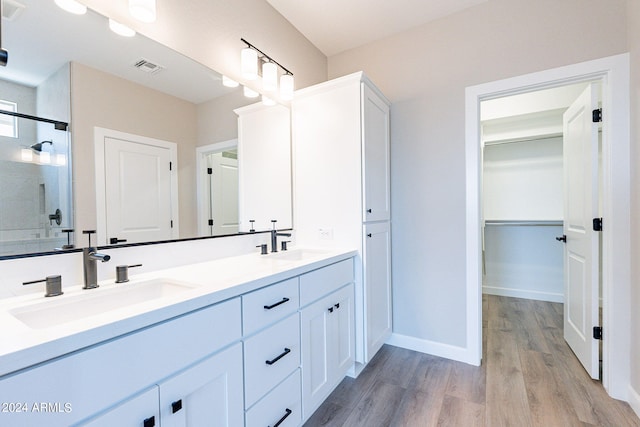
[{"x": 208, "y": 283}]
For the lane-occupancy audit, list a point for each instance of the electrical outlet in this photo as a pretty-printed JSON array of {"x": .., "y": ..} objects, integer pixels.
[{"x": 325, "y": 233}]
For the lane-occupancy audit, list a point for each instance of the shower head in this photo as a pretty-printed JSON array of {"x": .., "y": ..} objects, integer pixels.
[{"x": 38, "y": 145}]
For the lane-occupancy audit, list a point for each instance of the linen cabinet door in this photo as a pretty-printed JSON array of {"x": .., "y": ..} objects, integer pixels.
[
  {"x": 377, "y": 279},
  {"x": 207, "y": 394},
  {"x": 343, "y": 332},
  {"x": 375, "y": 153}
]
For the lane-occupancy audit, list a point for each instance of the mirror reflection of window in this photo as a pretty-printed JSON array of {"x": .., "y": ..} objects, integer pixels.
[{"x": 8, "y": 124}]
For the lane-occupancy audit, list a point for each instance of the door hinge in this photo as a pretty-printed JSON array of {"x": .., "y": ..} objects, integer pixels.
[
  {"x": 170, "y": 165},
  {"x": 211, "y": 223},
  {"x": 597, "y": 224},
  {"x": 597, "y": 332},
  {"x": 171, "y": 223},
  {"x": 209, "y": 171},
  {"x": 596, "y": 115}
]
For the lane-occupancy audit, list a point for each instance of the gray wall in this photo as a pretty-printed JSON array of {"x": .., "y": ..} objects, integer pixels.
[{"x": 424, "y": 72}]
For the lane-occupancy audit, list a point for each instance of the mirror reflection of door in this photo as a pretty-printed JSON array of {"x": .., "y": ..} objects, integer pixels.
[
  {"x": 140, "y": 189},
  {"x": 222, "y": 171}
]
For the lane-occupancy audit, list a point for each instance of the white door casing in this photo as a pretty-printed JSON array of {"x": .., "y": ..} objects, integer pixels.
[
  {"x": 581, "y": 255},
  {"x": 136, "y": 187},
  {"x": 613, "y": 72}
]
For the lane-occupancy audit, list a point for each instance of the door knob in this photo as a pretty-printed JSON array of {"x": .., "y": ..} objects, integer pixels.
[{"x": 563, "y": 238}]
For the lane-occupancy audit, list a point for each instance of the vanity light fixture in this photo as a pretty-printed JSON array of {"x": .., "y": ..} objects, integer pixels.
[
  {"x": 249, "y": 64},
  {"x": 45, "y": 157},
  {"x": 226, "y": 81},
  {"x": 121, "y": 29},
  {"x": 143, "y": 10},
  {"x": 269, "y": 76},
  {"x": 286, "y": 87},
  {"x": 250, "y": 93},
  {"x": 72, "y": 6}
]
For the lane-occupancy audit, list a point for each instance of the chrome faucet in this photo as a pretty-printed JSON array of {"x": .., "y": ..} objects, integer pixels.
[
  {"x": 90, "y": 256},
  {"x": 274, "y": 236}
]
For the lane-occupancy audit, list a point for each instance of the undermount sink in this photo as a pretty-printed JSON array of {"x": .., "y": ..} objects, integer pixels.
[
  {"x": 297, "y": 254},
  {"x": 64, "y": 309}
]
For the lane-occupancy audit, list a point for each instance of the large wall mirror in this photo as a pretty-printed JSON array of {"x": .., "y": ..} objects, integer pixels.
[{"x": 157, "y": 147}]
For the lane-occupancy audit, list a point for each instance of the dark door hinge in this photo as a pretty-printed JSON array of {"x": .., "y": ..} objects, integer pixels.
[
  {"x": 170, "y": 165},
  {"x": 209, "y": 171},
  {"x": 211, "y": 223},
  {"x": 597, "y": 332},
  {"x": 597, "y": 224},
  {"x": 596, "y": 115},
  {"x": 171, "y": 223}
]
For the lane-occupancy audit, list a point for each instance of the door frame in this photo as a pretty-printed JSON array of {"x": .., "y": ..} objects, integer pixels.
[
  {"x": 613, "y": 72},
  {"x": 99, "y": 136},
  {"x": 201, "y": 187}
]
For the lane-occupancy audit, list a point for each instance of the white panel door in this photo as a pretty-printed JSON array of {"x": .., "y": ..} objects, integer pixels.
[
  {"x": 375, "y": 139},
  {"x": 223, "y": 194},
  {"x": 582, "y": 243},
  {"x": 377, "y": 279},
  {"x": 134, "y": 412},
  {"x": 138, "y": 191}
]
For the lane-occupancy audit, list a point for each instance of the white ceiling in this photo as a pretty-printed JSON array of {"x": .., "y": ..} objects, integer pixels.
[{"x": 338, "y": 25}]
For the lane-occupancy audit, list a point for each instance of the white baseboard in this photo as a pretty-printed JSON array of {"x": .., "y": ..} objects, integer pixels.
[
  {"x": 460, "y": 354},
  {"x": 523, "y": 293},
  {"x": 634, "y": 400}
]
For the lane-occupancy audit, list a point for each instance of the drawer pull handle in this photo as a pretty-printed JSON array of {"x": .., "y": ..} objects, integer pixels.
[
  {"x": 149, "y": 422},
  {"x": 269, "y": 307},
  {"x": 283, "y": 354},
  {"x": 284, "y": 417},
  {"x": 176, "y": 406}
]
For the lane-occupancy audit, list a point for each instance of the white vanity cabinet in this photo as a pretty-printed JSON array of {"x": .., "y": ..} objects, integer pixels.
[
  {"x": 118, "y": 379},
  {"x": 327, "y": 331},
  {"x": 342, "y": 163}
]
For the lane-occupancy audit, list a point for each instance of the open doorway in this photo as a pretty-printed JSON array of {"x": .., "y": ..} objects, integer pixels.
[
  {"x": 613, "y": 74},
  {"x": 540, "y": 166}
]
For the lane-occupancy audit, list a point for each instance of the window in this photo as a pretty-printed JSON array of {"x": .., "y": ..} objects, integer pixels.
[{"x": 8, "y": 124}]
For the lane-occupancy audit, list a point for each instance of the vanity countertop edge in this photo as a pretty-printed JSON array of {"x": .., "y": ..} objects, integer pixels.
[{"x": 22, "y": 347}]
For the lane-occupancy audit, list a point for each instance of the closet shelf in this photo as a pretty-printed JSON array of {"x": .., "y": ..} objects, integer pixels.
[{"x": 520, "y": 222}]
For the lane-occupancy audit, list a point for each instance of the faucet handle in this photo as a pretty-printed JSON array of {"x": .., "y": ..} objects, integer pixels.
[
  {"x": 53, "y": 285},
  {"x": 263, "y": 249},
  {"x": 122, "y": 272},
  {"x": 89, "y": 232},
  {"x": 283, "y": 244}
]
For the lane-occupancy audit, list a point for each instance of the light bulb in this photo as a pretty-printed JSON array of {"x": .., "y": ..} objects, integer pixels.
[
  {"x": 249, "y": 63},
  {"x": 143, "y": 10},
  {"x": 226, "y": 81},
  {"x": 45, "y": 157},
  {"x": 269, "y": 76},
  {"x": 250, "y": 93},
  {"x": 286, "y": 87},
  {"x": 72, "y": 6},
  {"x": 26, "y": 154},
  {"x": 121, "y": 29}
]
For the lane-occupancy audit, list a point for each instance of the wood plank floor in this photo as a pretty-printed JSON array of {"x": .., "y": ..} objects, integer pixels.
[{"x": 528, "y": 377}]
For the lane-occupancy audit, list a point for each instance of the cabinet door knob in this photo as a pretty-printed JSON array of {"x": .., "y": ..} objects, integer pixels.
[
  {"x": 337, "y": 305},
  {"x": 330, "y": 309},
  {"x": 280, "y": 356},
  {"x": 284, "y": 417},
  {"x": 269, "y": 307},
  {"x": 369, "y": 210},
  {"x": 176, "y": 406},
  {"x": 369, "y": 235},
  {"x": 149, "y": 422}
]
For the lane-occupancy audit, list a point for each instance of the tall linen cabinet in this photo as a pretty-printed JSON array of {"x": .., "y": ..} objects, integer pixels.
[{"x": 341, "y": 191}]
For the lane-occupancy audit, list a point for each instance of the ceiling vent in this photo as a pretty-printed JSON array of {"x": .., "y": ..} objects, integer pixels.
[
  {"x": 11, "y": 9},
  {"x": 148, "y": 66}
]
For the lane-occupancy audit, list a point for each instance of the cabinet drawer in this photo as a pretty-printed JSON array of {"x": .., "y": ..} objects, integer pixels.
[
  {"x": 270, "y": 356},
  {"x": 268, "y": 305},
  {"x": 283, "y": 401},
  {"x": 325, "y": 280}
]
